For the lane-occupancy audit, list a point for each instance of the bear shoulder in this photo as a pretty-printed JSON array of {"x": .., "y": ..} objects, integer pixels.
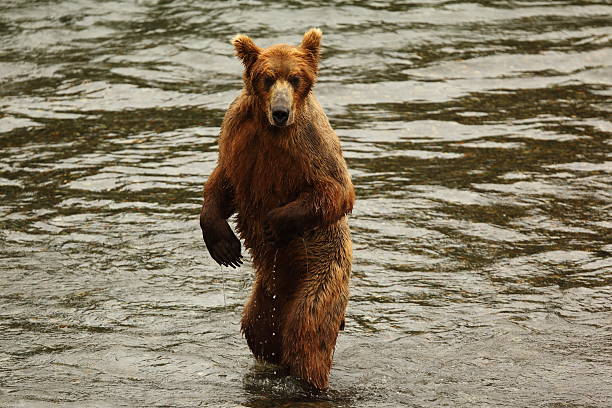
[{"x": 235, "y": 128}]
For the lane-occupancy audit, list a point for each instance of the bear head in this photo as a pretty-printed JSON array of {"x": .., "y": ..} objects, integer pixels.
[{"x": 280, "y": 77}]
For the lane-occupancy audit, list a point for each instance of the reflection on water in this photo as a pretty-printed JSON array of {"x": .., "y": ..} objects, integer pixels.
[{"x": 478, "y": 137}]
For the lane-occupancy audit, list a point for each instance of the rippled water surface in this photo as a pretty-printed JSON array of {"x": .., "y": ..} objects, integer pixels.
[{"x": 478, "y": 138}]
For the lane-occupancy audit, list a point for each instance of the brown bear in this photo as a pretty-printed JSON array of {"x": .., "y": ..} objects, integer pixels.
[{"x": 281, "y": 170}]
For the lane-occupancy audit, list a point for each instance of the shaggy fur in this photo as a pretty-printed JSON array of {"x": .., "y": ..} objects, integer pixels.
[{"x": 289, "y": 186}]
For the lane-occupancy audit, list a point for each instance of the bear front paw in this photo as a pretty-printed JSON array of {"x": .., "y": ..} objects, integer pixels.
[
  {"x": 279, "y": 229},
  {"x": 222, "y": 243},
  {"x": 273, "y": 237}
]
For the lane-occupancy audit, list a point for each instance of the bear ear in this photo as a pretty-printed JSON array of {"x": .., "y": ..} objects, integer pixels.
[
  {"x": 311, "y": 43},
  {"x": 246, "y": 49}
]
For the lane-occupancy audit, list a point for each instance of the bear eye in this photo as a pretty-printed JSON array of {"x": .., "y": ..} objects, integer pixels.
[
  {"x": 294, "y": 81},
  {"x": 268, "y": 82}
]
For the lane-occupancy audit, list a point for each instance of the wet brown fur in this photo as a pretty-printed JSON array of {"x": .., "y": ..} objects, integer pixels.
[{"x": 292, "y": 180}]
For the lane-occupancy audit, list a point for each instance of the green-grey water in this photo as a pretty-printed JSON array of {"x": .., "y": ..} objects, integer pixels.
[{"x": 478, "y": 138}]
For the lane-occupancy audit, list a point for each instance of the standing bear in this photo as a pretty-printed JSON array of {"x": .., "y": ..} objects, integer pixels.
[{"x": 281, "y": 170}]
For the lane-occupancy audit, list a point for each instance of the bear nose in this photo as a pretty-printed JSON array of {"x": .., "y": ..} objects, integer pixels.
[{"x": 280, "y": 116}]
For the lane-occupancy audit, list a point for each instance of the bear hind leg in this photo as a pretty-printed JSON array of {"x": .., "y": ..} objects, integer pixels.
[
  {"x": 260, "y": 325},
  {"x": 312, "y": 321}
]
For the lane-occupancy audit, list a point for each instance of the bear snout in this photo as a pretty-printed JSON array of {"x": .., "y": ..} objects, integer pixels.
[
  {"x": 281, "y": 100},
  {"x": 280, "y": 114}
]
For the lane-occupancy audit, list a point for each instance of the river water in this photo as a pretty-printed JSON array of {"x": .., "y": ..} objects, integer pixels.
[{"x": 478, "y": 138}]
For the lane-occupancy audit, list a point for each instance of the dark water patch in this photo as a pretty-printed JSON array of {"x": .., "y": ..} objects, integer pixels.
[{"x": 44, "y": 327}]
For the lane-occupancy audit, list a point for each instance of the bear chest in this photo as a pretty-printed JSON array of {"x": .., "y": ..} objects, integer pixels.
[{"x": 266, "y": 177}]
